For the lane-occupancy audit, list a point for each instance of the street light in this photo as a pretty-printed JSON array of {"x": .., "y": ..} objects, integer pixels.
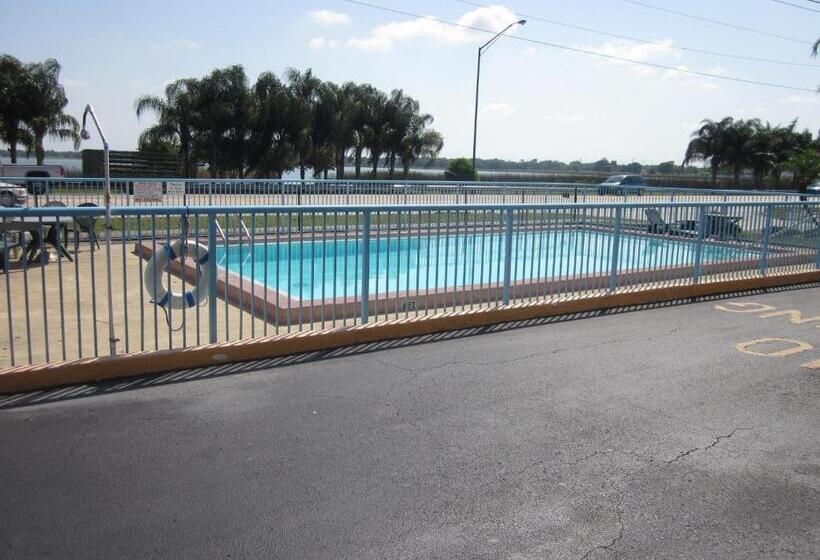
[
  {"x": 89, "y": 110},
  {"x": 481, "y": 49}
]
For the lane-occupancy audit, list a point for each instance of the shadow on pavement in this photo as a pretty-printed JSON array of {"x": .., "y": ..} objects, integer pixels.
[{"x": 179, "y": 376}]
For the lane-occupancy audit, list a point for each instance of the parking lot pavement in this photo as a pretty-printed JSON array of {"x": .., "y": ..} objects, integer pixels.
[{"x": 686, "y": 431}]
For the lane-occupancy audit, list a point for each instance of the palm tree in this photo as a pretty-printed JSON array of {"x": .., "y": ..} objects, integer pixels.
[
  {"x": 47, "y": 117},
  {"x": 17, "y": 89},
  {"x": 175, "y": 116},
  {"x": 401, "y": 111},
  {"x": 304, "y": 87},
  {"x": 270, "y": 150},
  {"x": 364, "y": 95},
  {"x": 708, "y": 144},
  {"x": 376, "y": 128},
  {"x": 221, "y": 123},
  {"x": 784, "y": 142},
  {"x": 420, "y": 142},
  {"x": 738, "y": 146}
]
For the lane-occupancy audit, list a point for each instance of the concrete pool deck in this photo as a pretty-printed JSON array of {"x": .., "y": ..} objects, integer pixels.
[{"x": 657, "y": 433}]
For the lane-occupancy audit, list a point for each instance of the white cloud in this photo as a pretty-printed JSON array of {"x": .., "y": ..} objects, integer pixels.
[
  {"x": 329, "y": 17},
  {"x": 321, "y": 43},
  {"x": 177, "y": 44},
  {"x": 497, "y": 110},
  {"x": 530, "y": 51},
  {"x": 384, "y": 36},
  {"x": 800, "y": 99},
  {"x": 643, "y": 52},
  {"x": 566, "y": 118},
  {"x": 74, "y": 83}
]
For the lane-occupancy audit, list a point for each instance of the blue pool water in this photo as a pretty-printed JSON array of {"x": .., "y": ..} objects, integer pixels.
[{"x": 312, "y": 270}]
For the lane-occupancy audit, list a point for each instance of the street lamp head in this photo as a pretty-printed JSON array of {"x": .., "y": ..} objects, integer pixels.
[
  {"x": 522, "y": 21},
  {"x": 84, "y": 134}
]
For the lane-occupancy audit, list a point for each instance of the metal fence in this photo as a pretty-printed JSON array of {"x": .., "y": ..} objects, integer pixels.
[
  {"x": 258, "y": 192},
  {"x": 249, "y": 271}
]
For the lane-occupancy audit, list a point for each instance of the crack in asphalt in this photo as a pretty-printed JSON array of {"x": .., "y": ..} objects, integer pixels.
[
  {"x": 717, "y": 440},
  {"x": 525, "y": 356},
  {"x": 612, "y": 542}
]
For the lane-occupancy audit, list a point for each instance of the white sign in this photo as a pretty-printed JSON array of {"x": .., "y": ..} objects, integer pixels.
[
  {"x": 147, "y": 191},
  {"x": 175, "y": 188}
]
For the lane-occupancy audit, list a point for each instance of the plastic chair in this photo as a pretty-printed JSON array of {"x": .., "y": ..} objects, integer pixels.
[{"x": 86, "y": 223}]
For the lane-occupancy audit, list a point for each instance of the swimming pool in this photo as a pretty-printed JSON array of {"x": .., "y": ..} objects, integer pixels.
[{"x": 310, "y": 270}]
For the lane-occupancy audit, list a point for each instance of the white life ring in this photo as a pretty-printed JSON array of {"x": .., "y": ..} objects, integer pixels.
[{"x": 156, "y": 268}]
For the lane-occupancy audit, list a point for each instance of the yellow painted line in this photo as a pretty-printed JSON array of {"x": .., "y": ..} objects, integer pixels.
[
  {"x": 812, "y": 365},
  {"x": 795, "y": 316},
  {"x": 27, "y": 378},
  {"x": 796, "y": 348},
  {"x": 744, "y": 307}
]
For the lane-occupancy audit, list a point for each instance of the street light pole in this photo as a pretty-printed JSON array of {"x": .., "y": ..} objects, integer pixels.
[
  {"x": 481, "y": 49},
  {"x": 89, "y": 110}
]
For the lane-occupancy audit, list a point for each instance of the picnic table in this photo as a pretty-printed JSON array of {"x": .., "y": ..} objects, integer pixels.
[{"x": 34, "y": 225}]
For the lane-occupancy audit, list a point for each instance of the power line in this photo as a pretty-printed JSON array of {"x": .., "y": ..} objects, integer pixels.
[
  {"x": 797, "y": 6},
  {"x": 715, "y": 21},
  {"x": 582, "y": 51},
  {"x": 648, "y": 42}
]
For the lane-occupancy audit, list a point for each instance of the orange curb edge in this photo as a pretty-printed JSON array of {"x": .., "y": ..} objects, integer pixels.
[{"x": 27, "y": 378}]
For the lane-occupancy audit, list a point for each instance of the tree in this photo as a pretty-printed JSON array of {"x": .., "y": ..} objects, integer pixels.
[
  {"x": 460, "y": 169},
  {"x": 708, "y": 143},
  {"x": 805, "y": 165},
  {"x": 738, "y": 147},
  {"x": 419, "y": 142},
  {"x": 666, "y": 167},
  {"x": 784, "y": 142},
  {"x": 270, "y": 151},
  {"x": 277, "y": 125},
  {"x": 400, "y": 112},
  {"x": 17, "y": 89},
  {"x": 364, "y": 94},
  {"x": 222, "y": 120},
  {"x": 175, "y": 119},
  {"x": 304, "y": 88},
  {"x": 377, "y": 128},
  {"x": 46, "y": 116}
]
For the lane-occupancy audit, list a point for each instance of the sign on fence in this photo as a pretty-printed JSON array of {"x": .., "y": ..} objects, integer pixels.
[
  {"x": 147, "y": 191},
  {"x": 175, "y": 188}
]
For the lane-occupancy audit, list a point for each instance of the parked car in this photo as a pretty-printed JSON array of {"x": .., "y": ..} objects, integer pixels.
[
  {"x": 622, "y": 185},
  {"x": 13, "y": 195},
  {"x": 33, "y": 172},
  {"x": 814, "y": 188}
]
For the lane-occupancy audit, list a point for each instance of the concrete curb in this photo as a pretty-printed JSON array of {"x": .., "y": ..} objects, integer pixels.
[{"x": 28, "y": 378}]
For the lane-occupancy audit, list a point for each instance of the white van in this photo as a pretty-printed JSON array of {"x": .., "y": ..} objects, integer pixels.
[{"x": 15, "y": 170}]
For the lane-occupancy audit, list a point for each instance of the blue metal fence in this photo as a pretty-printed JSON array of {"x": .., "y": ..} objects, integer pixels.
[
  {"x": 261, "y": 270},
  {"x": 237, "y": 192}
]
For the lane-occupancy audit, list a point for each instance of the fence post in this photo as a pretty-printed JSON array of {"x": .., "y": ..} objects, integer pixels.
[
  {"x": 697, "y": 268},
  {"x": 365, "y": 295},
  {"x": 764, "y": 244},
  {"x": 212, "y": 276},
  {"x": 616, "y": 251},
  {"x": 508, "y": 255}
]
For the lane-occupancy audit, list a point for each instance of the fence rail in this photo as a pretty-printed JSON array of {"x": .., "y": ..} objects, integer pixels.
[
  {"x": 262, "y": 192},
  {"x": 277, "y": 269}
]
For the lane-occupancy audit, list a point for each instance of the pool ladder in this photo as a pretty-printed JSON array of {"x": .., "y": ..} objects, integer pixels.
[{"x": 243, "y": 228}]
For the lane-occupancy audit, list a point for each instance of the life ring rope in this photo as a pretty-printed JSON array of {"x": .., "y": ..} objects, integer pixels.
[{"x": 155, "y": 270}]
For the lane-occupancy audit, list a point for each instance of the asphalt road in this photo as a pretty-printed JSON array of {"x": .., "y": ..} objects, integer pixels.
[{"x": 644, "y": 434}]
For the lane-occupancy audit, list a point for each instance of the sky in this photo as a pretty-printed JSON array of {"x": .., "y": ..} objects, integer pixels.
[{"x": 536, "y": 101}]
